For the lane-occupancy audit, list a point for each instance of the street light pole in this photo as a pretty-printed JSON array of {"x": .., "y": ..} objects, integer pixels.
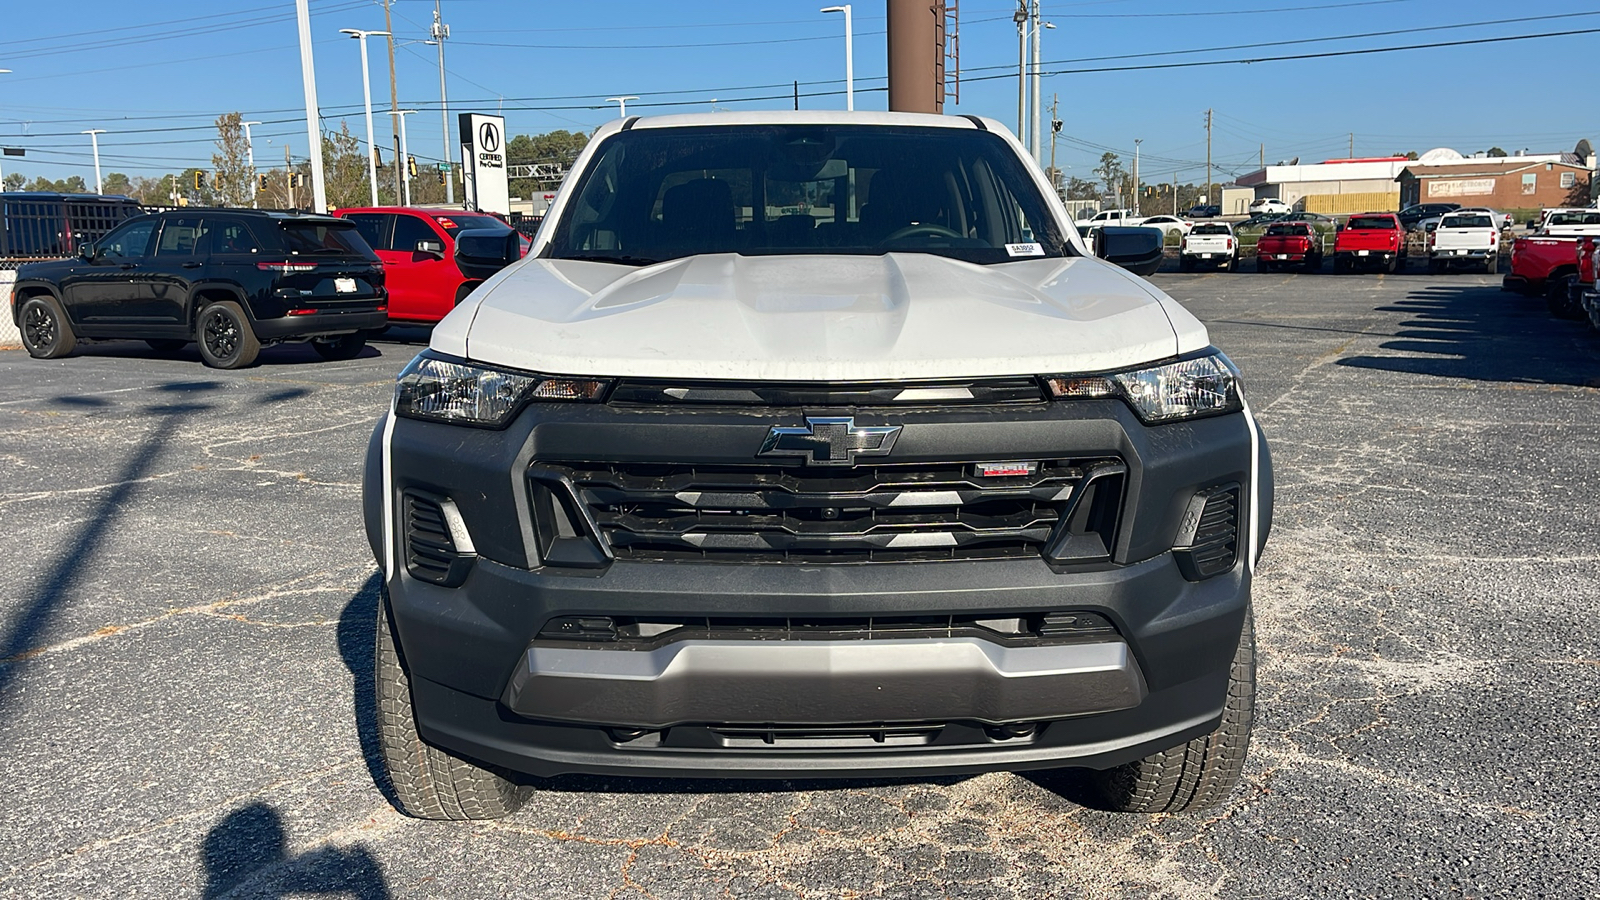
[
  {"x": 440, "y": 32},
  {"x": 1021, "y": 18},
  {"x": 849, "y": 57},
  {"x": 404, "y": 162},
  {"x": 250, "y": 152},
  {"x": 1038, "y": 98},
  {"x": 1136, "y": 143},
  {"x": 366, "y": 90},
  {"x": 94, "y": 141},
  {"x": 622, "y": 105},
  {"x": 308, "y": 76}
]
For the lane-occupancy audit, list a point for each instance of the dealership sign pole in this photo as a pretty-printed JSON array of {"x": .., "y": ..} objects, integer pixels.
[{"x": 483, "y": 152}]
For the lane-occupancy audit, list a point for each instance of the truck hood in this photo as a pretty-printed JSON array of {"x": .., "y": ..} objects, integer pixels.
[{"x": 894, "y": 317}]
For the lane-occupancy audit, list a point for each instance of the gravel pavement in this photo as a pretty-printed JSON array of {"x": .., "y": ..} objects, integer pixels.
[{"x": 186, "y": 639}]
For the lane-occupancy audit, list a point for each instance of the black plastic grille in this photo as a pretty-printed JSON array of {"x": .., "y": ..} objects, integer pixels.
[
  {"x": 431, "y": 553},
  {"x": 767, "y": 513}
]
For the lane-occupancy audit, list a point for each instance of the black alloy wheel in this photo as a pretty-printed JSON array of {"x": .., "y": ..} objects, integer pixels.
[
  {"x": 225, "y": 337},
  {"x": 45, "y": 332}
]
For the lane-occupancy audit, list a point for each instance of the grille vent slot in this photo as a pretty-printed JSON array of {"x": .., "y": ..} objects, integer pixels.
[
  {"x": 1212, "y": 547},
  {"x": 432, "y": 553}
]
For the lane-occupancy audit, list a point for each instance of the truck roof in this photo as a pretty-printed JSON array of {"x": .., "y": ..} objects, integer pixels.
[{"x": 811, "y": 117}]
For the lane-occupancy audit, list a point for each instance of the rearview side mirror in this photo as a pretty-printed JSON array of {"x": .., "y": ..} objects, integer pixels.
[
  {"x": 431, "y": 248},
  {"x": 86, "y": 251},
  {"x": 480, "y": 256},
  {"x": 1136, "y": 249}
]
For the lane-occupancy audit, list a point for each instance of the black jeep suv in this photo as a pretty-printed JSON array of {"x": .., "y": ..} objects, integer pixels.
[{"x": 231, "y": 280}]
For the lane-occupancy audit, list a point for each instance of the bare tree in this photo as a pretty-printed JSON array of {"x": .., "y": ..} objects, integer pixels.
[{"x": 231, "y": 176}]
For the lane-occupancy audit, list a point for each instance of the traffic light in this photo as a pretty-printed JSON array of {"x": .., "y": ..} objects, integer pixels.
[
  {"x": 411, "y": 166},
  {"x": 441, "y": 176},
  {"x": 296, "y": 180},
  {"x": 261, "y": 183},
  {"x": 199, "y": 181}
]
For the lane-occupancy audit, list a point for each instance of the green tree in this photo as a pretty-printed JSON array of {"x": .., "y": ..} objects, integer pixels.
[
  {"x": 14, "y": 182},
  {"x": 1110, "y": 171},
  {"x": 230, "y": 165},
  {"x": 118, "y": 183},
  {"x": 559, "y": 147},
  {"x": 1494, "y": 152},
  {"x": 344, "y": 170},
  {"x": 1082, "y": 189}
]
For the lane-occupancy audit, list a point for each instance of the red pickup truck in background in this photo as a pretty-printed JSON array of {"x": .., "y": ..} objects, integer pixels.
[
  {"x": 1289, "y": 244},
  {"x": 1369, "y": 241},
  {"x": 1548, "y": 265}
]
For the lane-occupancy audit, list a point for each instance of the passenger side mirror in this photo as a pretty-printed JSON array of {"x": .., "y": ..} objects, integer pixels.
[
  {"x": 434, "y": 249},
  {"x": 481, "y": 255},
  {"x": 86, "y": 251},
  {"x": 1136, "y": 249}
]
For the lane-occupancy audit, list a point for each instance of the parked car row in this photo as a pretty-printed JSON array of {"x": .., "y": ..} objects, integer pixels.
[{"x": 235, "y": 280}]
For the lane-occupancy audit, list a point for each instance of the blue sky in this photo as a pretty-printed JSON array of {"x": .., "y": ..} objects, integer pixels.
[{"x": 155, "y": 75}]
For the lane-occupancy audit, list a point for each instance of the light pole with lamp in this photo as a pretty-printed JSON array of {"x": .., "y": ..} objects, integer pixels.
[
  {"x": 440, "y": 32},
  {"x": 404, "y": 162},
  {"x": 250, "y": 153},
  {"x": 366, "y": 90},
  {"x": 849, "y": 56},
  {"x": 1136, "y": 143},
  {"x": 94, "y": 141},
  {"x": 622, "y": 105}
]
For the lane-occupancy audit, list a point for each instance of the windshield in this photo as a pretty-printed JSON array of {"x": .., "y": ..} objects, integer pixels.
[
  {"x": 1209, "y": 229},
  {"x": 1478, "y": 221},
  {"x": 471, "y": 222},
  {"x": 325, "y": 239},
  {"x": 659, "y": 194},
  {"x": 1370, "y": 223}
]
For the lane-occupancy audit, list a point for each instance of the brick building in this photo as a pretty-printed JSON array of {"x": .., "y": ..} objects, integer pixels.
[{"x": 1498, "y": 183}]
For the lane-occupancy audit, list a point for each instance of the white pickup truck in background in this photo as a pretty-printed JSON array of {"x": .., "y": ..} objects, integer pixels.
[
  {"x": 1465, "y": 239},
  {"x": 1209, "y": 244},
  {"x": 1560, "y": 222},
  {"x": 1113, "y": 217}
]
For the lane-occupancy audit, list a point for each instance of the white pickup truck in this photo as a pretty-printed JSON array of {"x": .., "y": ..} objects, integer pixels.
[
  {"x": 1558, "y": 222},
  {"x": 1464, "y": 239},
  {"x": 1115, "y": 217},
  {"x": 1210, "y": 244}
]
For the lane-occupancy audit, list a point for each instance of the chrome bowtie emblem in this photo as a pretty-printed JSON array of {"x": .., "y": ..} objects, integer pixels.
[{"x": 829, "y": 441}]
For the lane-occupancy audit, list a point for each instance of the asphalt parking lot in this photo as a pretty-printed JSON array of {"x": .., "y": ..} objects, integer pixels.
[{"x": 187, "y": 604}]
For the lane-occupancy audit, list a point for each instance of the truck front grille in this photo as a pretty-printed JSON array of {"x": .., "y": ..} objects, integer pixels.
[{"x": 796, "y": 514}]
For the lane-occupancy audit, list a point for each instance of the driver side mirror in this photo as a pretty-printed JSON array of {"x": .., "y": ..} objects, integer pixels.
[
  {"x": 434, "y": 249},
  {"x": 1136, "y": 249},
  {"x": 87, "y": 252},
  {"x": 480, "y": 256}
]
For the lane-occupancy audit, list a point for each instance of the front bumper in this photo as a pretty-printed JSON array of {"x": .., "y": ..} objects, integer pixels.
[{"x": 487, "y": 687}]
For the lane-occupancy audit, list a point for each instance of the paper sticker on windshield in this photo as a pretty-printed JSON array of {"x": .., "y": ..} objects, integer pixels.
[{"x": 1024, "y": 250}]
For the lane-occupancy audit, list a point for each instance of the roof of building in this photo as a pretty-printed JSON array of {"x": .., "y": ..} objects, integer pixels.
[{"x": 1483, "y": 167}]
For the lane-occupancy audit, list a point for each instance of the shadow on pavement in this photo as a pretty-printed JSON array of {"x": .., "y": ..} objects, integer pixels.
[
  {"x": 246, "y": 855},
  {"x": 357, "y": 637},
  {"x": 1480, "y": 333}
]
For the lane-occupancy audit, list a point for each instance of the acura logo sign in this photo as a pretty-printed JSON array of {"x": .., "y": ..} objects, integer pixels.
[
  {"x": 488, "y": 137},
  {"x": 829, "y": 441}
]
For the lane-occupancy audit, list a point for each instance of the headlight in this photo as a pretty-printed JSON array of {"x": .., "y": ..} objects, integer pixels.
[
  {"x": 1205, "y": 385},
  {"x": 447, "y": 391}
]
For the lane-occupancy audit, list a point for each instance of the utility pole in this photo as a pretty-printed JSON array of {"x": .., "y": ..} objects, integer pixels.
[
  {"x": 288, "y": 175},
  {"x": 308, "y": 76},
  {"x": 440, "y": 32},
  {"x": 1021, "y": 18},
  {"x": 250, "y": 152},
  {"x": 402, "y": 163},
  {"x": 1174, "y": 193},
  {"x": 394, "y": 102},
  {"x": 1208, "y": 156},
  {"x": 1261, "y": 157},
  {"x": 366, "y": 92},
  {"x": 1352, "y": 145},
  {"x": 1136, "y": 143},
  {"x": 1038, "y": 100},
  {"x": 1055, "y": 129},
  {"x": 94, "y": 140}
]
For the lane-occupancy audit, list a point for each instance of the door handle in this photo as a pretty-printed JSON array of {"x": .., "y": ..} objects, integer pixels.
[
  {"x": 130, "y": 265},
  {"x": 191, "y": 265}
]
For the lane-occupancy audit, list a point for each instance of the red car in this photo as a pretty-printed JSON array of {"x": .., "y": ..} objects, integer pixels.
[
  {"x": 1371, "y": 240},
  {"x": 417, "y": 246},
  {"x": 1289, "y": 244}
]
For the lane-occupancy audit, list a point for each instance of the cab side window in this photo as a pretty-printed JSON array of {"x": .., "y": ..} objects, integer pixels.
[
  {"x": 180, "y": 236},
  {"x": 231, "y": 237},
  {"x": 130, "y": 242},
  {"x": 374, "y": 228},
  {"x": 408, "y": 230}
]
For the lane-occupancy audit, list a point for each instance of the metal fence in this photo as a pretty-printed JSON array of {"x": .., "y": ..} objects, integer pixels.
[{"x": 35, "y": 226}]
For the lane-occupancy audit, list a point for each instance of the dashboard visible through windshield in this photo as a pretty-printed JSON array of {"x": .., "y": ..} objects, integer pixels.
[{"x": 657, "y": 194}]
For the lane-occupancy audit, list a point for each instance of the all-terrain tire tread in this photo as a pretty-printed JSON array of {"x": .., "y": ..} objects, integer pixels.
[
  {"x": 1201, "y": 772},
  {"x": 428, "y": 782}
]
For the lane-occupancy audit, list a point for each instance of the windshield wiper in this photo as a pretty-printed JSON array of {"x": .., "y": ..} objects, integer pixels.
[{"x": 623, "y": 260}]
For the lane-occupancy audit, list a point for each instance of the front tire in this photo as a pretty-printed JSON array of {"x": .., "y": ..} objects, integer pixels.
[
  {"x": 1558, "y": 297},
  {"x": 225, "y": 337},
  {"x": 1261, "y": 264},
  {"x": 1492, "y": 264},
  {"x": 45, "y": 331},
  {"x": 428, "y": 782},
  {"x": 1202, "y": 772},
  {"x": 347, "y": 346}
]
